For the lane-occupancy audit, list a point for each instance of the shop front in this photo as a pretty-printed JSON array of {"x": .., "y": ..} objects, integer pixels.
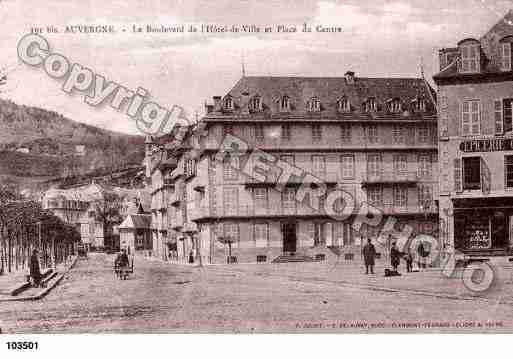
[{"x": 484, "y": 225}]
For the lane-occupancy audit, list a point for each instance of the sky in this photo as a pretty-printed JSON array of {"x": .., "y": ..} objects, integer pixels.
[{"x": 378, "y": 39}]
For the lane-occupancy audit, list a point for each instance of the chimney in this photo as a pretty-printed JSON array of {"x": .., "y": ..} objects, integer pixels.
[
  {"x": 349, "y": 75},
  {"x": 217, "y": 101}
]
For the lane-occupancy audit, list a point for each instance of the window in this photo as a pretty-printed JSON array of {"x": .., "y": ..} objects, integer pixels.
[
  {"x": 231, "y": 167},
  {"x": 285, "y": 104},
  {"x": 503, "y": 115},
  {"x": 231, "y": 230},
  {"x": 419, "y": 105},
  {"x": 471, "y": 173},
  {"x": 228, "y": 103},
  {"x": 375, "y": 196},
  {"x": 423, "y": 134},
  {"x": 400, "y": 196},
  {"x": 400, "y": 164},
  {"x": 342, "y": 234},
  {"x": 425, "y": 166},
  {"x": 347, "y": 166},
  {"x": 372, "y": 133},
  {"x": 288, "y": 197},
  {"x": 260, "y": 198},
  {"x": 394, "y": 105},
  {"x": 285, "y": 132},
  {"x": 287, "y": 158},
  {"x": 398, "y": 134},
  {"x": 230, "y": 200},
  {"x": 370, "y": 105},
  {"x": 318, "y": 166},
  {"x": 505, "y": 56},
  {"x": 259, "y": 132},
  {"x": 344, "y": 105},
  {"x": 425, "y": 196},
  {"x": 314, "y": 105},
  {"x": 508, "y": 169},
  {"x": 189, "y": 167},
  {"x": 470, "y": 58},
  {"x": 316, "y": 133},
  {"x": 227, "y": 130},
  {"x": 319, "y": 237},
  {"x": 345, "y": 133},
  {"x": 255, "y": 104},
  {"x": 470, "y": 117},
  {"x": 374, "y": 165},
  {"x": 261, "y": 234}
]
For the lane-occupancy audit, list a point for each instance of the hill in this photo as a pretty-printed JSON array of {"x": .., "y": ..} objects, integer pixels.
[{"x": 42, "y": 144}]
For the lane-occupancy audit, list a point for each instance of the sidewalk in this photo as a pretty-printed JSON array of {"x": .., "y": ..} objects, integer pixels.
[
  {"x": 427, "y": 282},
  {"x": 17, "y": 282}
]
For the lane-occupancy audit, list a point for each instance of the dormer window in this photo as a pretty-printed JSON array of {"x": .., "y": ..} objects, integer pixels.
[
  {"x": 228, "y": 103},
  {"x": 344, "y": 105},
  {"x": 505, "y": 56},
  {"x": 285, "y": 104},
  {"x": 370, "y": 105},
  {"x": 418, "y": 105},
  {"x": 470, "y": 58},
  {"x": 394, "y": 105},
  {"x": 255, "y": 104},
  {"x": 314, "y": 105}
]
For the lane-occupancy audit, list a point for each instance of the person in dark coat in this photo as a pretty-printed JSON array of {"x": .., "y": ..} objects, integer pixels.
[
  {"x": 409, "y": 261},
  {"x": 369, "y": 253},
  {"x": 122, "y": 259},
  {"x": 395, "y": 256},
  {"x": 35, "y": 271}
]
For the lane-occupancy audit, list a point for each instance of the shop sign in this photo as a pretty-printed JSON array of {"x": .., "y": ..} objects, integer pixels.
[{"x": 487, "y": 145}]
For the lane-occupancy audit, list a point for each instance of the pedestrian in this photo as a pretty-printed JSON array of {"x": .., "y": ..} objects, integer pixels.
[
  {"x": 409, "y": 261},
  {"x": 191, "y": 257},
  {"x": 422, "y": 254},
  {"x": 369, "y": 253},
  {"x": 395, "y": 256},
  {"x": 35, "y": 270}
]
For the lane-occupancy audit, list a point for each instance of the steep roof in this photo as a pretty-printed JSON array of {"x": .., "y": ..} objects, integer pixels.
[
  {"x": 329, "y": 90},
  {"x": 136, "y": 221},
  {"x": 490, "y": 54}
]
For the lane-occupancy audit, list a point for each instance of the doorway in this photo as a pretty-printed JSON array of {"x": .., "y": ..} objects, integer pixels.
[{"x": 288, "y": 230}]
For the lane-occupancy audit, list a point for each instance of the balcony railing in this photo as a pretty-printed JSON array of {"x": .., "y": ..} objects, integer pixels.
[
  {"x": 294, "y": 181},
  {"x": 391, "y": 177},
  {"x": 394, "y": 209}
]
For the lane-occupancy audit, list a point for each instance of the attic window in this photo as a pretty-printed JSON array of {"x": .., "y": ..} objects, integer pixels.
[
  {"x": 314, "y": 105},
  {"x": 394, "y": 105},
  {"x": 470, "y": 58},
  {"x": 285, "y": 104},
  {"x": 505, "y": 56},
  {"x": 228, "y": 103},
  {"x": 370, "y": 105},
  {"x": 344, "y": 105},
  {"x": 255, "y": 104},
  {"x": 419, "y": 105}
]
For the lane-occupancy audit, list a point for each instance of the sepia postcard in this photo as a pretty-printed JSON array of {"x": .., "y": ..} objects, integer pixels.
[{"x": 313, "y": 166}]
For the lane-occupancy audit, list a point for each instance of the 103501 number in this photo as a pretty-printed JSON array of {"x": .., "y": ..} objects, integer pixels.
[{"x": 22, "y": 346}]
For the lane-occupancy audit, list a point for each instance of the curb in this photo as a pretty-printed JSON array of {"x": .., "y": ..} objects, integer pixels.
[{"x": 46, "y": 290}]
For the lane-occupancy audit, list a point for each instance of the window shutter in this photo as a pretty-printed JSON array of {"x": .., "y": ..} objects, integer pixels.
[
  {"x": 458, "y": 181},
  {"x": 506, "y": 56},
  {"x": 500, "y": 56},
  {"x": 465, "y": 118},
  {"x": 499, "y": 123}
]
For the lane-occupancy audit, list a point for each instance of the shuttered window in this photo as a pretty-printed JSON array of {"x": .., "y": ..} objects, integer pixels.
[
  {"x": 497, "y": 108},
  {"x": 508, "y": 171},
  {"x": 505, "y": 56},
  {"x": 261, "y": 234},
  {"x": 458, "y": 183},
  {"x": 470, "y": 117}
]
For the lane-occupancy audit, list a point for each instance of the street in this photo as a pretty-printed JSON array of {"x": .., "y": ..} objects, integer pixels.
[{"x": 166, "y": 298}]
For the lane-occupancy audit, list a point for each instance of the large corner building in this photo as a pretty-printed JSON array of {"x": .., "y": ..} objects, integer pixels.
[{"x": 375, "y": 138}]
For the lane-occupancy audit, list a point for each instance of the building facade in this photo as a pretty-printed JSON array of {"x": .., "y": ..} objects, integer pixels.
[
  {"x": 373, "y": 138},
  {"x": 475, "y": 93}
]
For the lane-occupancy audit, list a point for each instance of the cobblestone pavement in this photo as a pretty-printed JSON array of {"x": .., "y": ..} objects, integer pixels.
[{"x": 168, "y": 298}]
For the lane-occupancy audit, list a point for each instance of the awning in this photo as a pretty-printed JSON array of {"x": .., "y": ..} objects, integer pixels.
[{"x": 487, "y": 203}]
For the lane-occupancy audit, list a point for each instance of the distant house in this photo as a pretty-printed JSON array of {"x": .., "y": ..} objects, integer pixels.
[
  {"x": 80, "y": 150},
  {"x": 23, "y": 150},
  {"x": 135, "y": 234}
]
